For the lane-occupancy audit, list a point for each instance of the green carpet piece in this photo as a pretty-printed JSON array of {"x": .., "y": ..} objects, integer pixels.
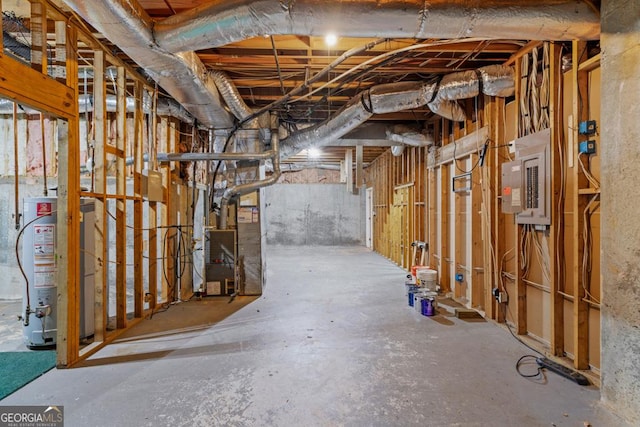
[{"x": 19, "y": 368}]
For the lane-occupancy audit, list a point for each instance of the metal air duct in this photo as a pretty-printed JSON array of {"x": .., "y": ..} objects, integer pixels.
[
  {"x": 493, "y": 80},
  {"x": 397, "y": 150},
  {"x": 219, "y": 23},
  {"x": 182, "y": 75}
]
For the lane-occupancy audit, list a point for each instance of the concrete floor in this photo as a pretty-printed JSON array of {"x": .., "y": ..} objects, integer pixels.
[{"x": 331, "y": 342}]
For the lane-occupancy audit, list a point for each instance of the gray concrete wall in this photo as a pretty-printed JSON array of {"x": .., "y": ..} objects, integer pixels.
[
  {"x": 620, "y": 160},
  {"x": 313, "y": 214}
]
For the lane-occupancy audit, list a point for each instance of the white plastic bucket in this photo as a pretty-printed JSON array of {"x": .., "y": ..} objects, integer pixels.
[{"x": 428, "y": 279}]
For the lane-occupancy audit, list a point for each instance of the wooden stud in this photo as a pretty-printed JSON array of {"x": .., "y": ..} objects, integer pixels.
[
  {"x": 60, "y": 60},
  {"x": 520, "y": 285},
  {"x": 476, "y": 275},
  {"x": 580, "y": 307},
  {"x": 459, "y": 239},
  {"x": 1, "y": 33},
  {"x": 348, "y": 164},
  {"x": 445, "y": 255},
  {"x": 38, "y": 30},
  {"x": 432, "y": 219},
  {"x": 556, "y": 231},
  {"x": 68, "y": 224},
  {"x": 494, "y": 108},
  {"x": 138, "y": 289},
  {"x": 164, "y": 211},
  {"x": 153, "y": 254},
  {"x": 359, "y": 165},
  {"x": 100, "y": 174},
  {"x": 121, "y": 205}
]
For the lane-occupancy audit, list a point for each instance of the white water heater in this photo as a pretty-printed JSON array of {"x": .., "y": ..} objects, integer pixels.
[{"x": 39, "y": 244}]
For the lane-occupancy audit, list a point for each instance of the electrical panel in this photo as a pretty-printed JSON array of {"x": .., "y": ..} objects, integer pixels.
[
  {"x": 512, "y": 187},
  {"x": 533, "y": 151}
]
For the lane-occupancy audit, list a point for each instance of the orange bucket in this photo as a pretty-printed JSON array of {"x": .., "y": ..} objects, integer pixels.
[{"x": 414, "y": 269}]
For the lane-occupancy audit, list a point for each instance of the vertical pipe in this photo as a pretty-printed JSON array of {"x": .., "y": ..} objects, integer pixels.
[
  {"x": 44, "y": 156},
  {"x": 15, "y": 164}
]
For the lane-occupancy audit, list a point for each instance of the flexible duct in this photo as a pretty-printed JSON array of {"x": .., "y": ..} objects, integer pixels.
[
  {"x": 219, "y": 23},
  {"x": 408, "y": 136},
  {"x": 232, "y": 97},
  {"x": 497, "y": 80},
  {"x": 182, "y": 75},
  {"x": 240, "y": 189}
]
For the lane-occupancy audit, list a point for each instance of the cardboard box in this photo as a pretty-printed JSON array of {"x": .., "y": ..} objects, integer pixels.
[
  {"x": 213, "y": 288},
  {"x": 250, "y": 199},
  {"x": 245, "y": 215}
]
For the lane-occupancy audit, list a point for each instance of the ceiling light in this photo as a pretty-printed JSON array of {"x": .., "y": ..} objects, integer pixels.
[
  {"x": 331, "y": 39},
  {"x": 314, "y": 153}
]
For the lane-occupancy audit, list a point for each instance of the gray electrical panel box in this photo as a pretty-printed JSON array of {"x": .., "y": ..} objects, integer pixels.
[
  {"x": 512, "y": 187},
  {"x": 534, "y": 157}
]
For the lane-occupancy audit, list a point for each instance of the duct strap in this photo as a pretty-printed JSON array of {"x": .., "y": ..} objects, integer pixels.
[
  {"x": 436, "y": 88},
  {"x": 480, "y": 83},
  {"x": 363, "y": 101}
]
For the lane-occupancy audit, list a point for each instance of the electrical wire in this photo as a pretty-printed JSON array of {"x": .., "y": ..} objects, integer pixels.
[
  {"x": 381, "y": 56},
  {"x": 534, "y": 97},
  {"x": 545, "y": 88},
  {"x": 540, "y": 372},
  {"x": 588, "y": 248},
  {"x": 587, "y": 173}
]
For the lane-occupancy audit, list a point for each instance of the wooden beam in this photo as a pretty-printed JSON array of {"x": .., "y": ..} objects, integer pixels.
[
  {"x": 514, "y": 59},
  {"x": 463, "y": 146},
  {"x": 42, "y": 93},
  {"x": 580, "y": 81},
  {"x": 121, "y": 204}
]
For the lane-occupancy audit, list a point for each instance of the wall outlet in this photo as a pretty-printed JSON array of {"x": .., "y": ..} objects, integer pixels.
[
  {"x": 587, "y": 147},
  {"x": 503, "y": 297}
]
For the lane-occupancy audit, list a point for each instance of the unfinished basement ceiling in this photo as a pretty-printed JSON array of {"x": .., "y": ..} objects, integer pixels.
[{"x": 266, "y": 67}]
